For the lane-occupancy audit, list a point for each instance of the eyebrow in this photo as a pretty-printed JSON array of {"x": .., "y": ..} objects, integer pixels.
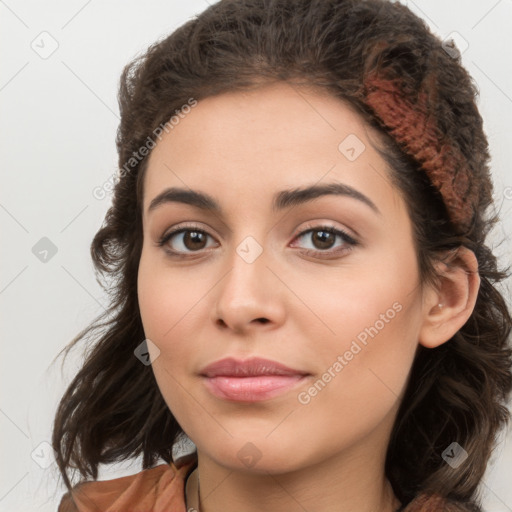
[{"x": 283, "y": 199}]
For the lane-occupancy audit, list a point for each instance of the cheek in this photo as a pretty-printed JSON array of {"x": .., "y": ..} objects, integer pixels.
[
  {"x": 361, "y": 370},
  {"x": 161, "y": 309},
  {"x": 367, "y": 320},
  {"x": 380, "y": 292},
  {"x": 165, "y": 297},
  {"x": 164, "y": 303}
]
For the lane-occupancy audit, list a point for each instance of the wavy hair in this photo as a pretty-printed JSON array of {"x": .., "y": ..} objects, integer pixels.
[{"x": 383, "y": 60}]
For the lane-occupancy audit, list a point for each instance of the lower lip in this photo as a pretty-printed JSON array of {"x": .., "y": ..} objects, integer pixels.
[{"x": 251, "y": 389}]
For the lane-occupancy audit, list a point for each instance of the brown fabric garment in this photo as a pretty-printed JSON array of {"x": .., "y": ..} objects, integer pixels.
[
  {"x": 162, "y": 489},
  {"x": 159, "y": 489}
]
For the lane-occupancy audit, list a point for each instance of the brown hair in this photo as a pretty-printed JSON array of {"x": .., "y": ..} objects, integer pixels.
[{"x": 379, "y": 57}]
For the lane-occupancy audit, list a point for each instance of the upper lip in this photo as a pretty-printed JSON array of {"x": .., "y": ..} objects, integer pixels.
[{"x": 231, "y": 367}]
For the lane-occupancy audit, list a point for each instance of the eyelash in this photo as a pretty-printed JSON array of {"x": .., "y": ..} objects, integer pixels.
[{"x": 347, "y": 239}]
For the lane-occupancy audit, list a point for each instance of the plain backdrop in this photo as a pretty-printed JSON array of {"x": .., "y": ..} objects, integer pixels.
[{"x": 59, "y": 68}]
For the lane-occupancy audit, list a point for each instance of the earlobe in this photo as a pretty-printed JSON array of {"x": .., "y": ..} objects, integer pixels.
[{"x": 450, "y": 305}]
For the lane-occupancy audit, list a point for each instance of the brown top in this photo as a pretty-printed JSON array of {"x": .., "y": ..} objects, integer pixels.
[
  {"x": 162, "y": 489},
  {"x": 159, "y": 489}
]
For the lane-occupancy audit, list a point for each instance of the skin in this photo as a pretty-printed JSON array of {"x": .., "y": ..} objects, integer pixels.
[{"x": 242, "y": 148}]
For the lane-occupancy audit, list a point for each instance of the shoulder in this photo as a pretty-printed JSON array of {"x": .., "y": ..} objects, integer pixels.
[
  {"x": 158, "y": 488},
  {"x": 435, "y": 503}
]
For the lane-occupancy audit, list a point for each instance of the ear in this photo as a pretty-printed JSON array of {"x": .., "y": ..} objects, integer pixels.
[{"x": 448, "y": 307}]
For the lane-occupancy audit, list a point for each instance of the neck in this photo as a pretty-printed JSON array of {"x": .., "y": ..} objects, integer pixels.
[{"x": 339, "y": 484}]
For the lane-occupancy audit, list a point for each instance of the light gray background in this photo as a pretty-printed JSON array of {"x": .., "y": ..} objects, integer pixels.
[{"x": 58, "y": 120}]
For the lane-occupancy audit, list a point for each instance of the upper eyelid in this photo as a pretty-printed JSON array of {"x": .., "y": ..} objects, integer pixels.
[{"x": 311, "y": 226}]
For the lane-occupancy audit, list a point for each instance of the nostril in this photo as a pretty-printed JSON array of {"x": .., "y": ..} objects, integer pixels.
[{"x": 222, "y": 323}]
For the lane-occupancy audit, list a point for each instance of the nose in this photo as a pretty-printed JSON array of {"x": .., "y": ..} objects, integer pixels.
[{"x": 249, "y": 296}]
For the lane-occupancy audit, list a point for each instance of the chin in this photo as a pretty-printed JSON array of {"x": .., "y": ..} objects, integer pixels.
[{"x": 256, "y": 454}]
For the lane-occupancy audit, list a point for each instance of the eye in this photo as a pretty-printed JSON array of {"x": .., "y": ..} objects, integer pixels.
[
  {"x": 186, "y": 240},
  {"x": 190, "y": 239},
  {"x": 323, "y": 239}
]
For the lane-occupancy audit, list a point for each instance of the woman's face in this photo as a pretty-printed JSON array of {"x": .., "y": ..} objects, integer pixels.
[{"x": 262, "y": 277}]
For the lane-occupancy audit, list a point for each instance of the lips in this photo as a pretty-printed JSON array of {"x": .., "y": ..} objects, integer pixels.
[
  {"x": 252, "y": 380},
  {"x": 231, "y": 367}
]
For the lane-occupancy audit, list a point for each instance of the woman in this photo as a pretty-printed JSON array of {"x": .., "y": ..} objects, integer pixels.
[{"x": 300, "y": 282}]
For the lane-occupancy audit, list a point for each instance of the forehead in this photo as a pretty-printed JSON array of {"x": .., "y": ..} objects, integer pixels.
[
  {"x": 274, "y": 137},
  {"x": 283, "y": 113}
]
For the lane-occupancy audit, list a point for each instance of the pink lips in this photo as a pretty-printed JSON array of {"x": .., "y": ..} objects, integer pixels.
[{"x": 252, "y": 380}]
